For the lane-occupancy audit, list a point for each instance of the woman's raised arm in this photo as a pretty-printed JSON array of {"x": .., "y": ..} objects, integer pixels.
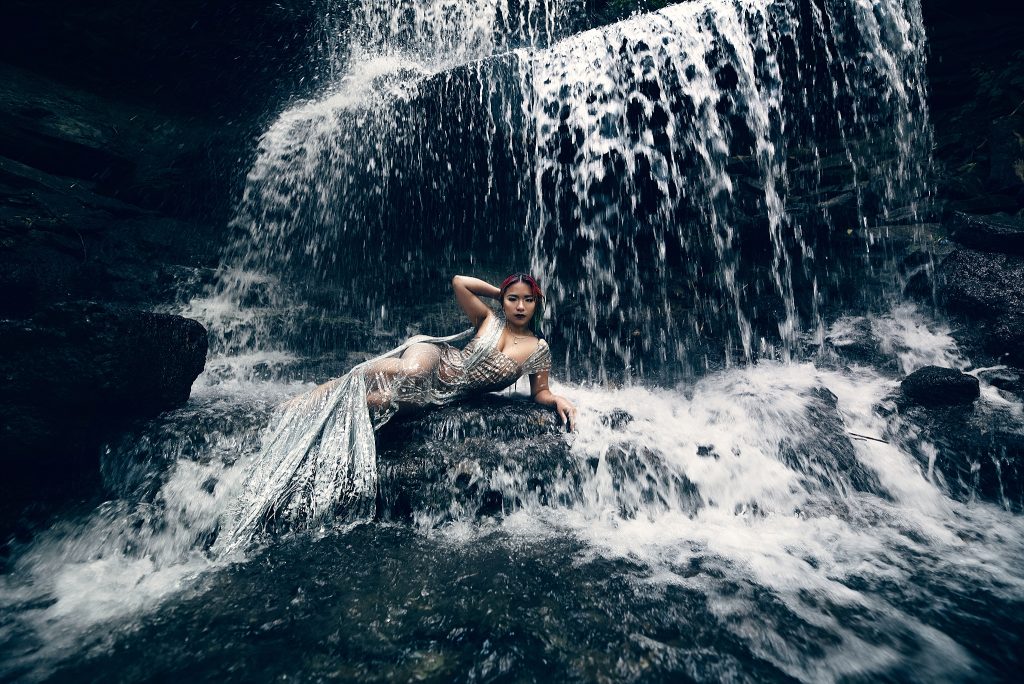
[
  {"x": 468, "y": 292},
  {"x": 543, "y": 395}
]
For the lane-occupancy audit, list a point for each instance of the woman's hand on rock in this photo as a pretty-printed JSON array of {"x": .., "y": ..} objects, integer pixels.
[{"x": 567, "y": 412}]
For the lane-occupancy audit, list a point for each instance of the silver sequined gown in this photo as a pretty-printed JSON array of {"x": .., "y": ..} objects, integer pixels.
[{"x": 318, "y": 460}]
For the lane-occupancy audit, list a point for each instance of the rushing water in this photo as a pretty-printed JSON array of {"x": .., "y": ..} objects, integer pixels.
[
  {"x": 663, "y": 152},
  {"x": 679, "y": 178},
  {"x": 745, "y": 525},
  {"x": 745, "y": 499}
]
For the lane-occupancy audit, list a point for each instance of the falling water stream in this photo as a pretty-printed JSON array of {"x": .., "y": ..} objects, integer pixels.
[{"x": 713, "y": 195}]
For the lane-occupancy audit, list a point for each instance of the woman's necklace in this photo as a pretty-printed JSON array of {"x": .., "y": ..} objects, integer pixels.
[{"x": 516, "y": 338}]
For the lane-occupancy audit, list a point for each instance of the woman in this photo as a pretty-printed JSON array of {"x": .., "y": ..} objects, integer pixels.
[{"x": 320, "y": 460}]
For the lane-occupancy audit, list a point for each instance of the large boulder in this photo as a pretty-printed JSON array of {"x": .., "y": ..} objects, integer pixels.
[
  {"x": 77, "y": 371},
  {"x": 155, "y": 159},
  {"x": 937, "y": 386},
  {"x": 62, "y": 241},
  {"x": 988, "y": 289},
  {"x": 974, "y": 451},
  {"x": 996, "y": 233},
  {"x": 482, "y": 457},
  {"x": 192, "y": 55}
]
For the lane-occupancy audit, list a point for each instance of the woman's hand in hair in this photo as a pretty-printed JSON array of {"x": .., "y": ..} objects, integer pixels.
[{"x": 468, "y": 292}]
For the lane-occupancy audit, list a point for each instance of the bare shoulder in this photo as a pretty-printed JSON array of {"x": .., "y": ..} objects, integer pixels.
[{"x": 486, "y": 320}]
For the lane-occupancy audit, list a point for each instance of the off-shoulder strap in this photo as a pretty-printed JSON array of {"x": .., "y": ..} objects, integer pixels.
[{"x": 540, "y": 360}]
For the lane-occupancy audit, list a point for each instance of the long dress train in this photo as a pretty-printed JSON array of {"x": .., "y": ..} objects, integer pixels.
[{"x": 318, "y": 459}]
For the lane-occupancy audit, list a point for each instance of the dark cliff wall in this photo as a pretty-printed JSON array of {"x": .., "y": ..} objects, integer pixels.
[
  {"x": 976, "y": 73},
  {"x": 220, "y": 70},
  {"x": 198, "y": 57},
  {"x": 178, "y": 91}
]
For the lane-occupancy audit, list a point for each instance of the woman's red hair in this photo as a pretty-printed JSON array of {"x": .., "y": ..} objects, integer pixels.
[
  {"x": 538, "y": 312},
  {"x": 521, "y": 278}
]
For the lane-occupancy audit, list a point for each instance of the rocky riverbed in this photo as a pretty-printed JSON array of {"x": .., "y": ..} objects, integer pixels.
[{"x": 121, "y": 157}]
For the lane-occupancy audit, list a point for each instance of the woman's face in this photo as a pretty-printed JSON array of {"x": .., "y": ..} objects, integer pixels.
[{"x": 519, "y": 304}]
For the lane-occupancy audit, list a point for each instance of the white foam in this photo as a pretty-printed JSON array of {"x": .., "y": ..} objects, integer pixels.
[
  {"x": 793, "y": 541},
  {"x": 915, "y": 340}
]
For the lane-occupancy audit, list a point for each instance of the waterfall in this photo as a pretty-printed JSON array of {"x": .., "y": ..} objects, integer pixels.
[
  {"x": 663, "y": 168},
  {"x": 355, "y": 193},
  {"x": 677, "y": 179},
  {"x": 703, "y": 190}
]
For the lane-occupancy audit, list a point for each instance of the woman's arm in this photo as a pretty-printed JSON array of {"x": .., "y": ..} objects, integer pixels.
[
  {"x": 468, "y": 292},
  {"x": 544, "y": 396}
]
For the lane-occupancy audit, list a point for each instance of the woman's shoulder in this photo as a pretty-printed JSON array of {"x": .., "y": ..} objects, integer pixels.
[
  {"x": 540, "y": 359},
  {"x": 490, "y": 318}
]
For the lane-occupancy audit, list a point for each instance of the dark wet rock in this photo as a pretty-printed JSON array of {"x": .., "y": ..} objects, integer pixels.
[
  {"x": 854, "y": 340},
  {"x": 61, "y": 241},
  {"x": 482, "y": 457},
  {"x": 987, "y": 289},
  {"x": 825, "y": 456},
  {"x": 76, "y": 371},
  {"x": 975, "y": 58},
  {"x": 920, "y": 284},
  {"x": 1004, "y": 378},
  {"x": 136, "y": 462},
  {"x": 645, "y": 485},
  {"x": 996, "y": 233},
  {"x": 974, "y": 452},
  {"x": 504, "y": 607},
  {"x": 617, "y": 419},
  {"x": 1006, "y": 166},
  {"x": 914, "y": 261},
  {"x": 192, "y": 56},
  {"x": 150, "y": 158},
  {"x": 493, "y": 455},
  {"x": 707, "y": 451},
  {"x": 937, "y": 386}
]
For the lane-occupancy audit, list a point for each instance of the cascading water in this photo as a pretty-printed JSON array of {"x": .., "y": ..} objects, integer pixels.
[
  {"x": 383, "y": 179},
  {"x": 699, "y": 187},
  {"x": 664, "y": 145},
  {"x": 677, "y": 177}
]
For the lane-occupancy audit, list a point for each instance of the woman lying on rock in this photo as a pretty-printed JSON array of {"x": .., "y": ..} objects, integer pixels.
[{"x": 319, "y": 461}]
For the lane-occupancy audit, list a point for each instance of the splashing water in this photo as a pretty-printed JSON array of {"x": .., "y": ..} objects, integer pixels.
[
  {"x": 679, "y": 174},
  {"x": 817, "y": 553},
  {"x": 664, "y": 151},
  {"x": 677, "y": 178},
  {"x": 351, "y": 193}
]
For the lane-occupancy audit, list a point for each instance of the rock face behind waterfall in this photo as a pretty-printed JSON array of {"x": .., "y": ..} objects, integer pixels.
[
  {"x": 987, "y": 288},
  {"x": 76, "y": 371}
]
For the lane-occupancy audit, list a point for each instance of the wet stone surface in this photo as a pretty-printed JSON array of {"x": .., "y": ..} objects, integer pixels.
[
  {"x": 937, "y": 386},
  {"x": 974, "y": 452},
  {"x": 988, "y": 289},
  {"x": 1000, "y": 233},
  {"x": 382, "y": 603},
  {"x": 479, "y": 458},
  {"x": 80, "y": 363}
]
